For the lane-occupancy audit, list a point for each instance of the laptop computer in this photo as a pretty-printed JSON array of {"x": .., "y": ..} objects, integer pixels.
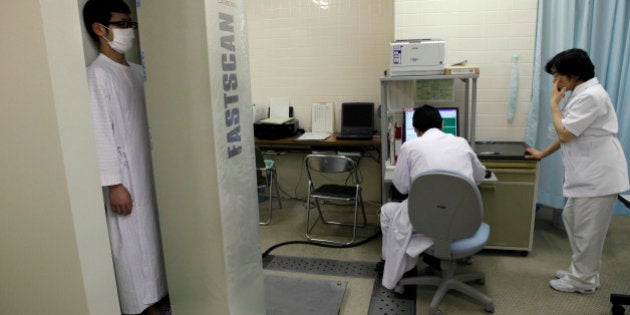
[{"x": 357, "y": 121}]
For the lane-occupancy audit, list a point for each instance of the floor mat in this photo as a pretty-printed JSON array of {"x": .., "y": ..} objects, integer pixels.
[
  {"x": 320, "y": 266},
  {"x": 383, "y": 301},
  {"x": 292, "y": 295}
]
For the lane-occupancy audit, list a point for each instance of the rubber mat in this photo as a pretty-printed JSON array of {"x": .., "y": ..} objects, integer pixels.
[
  {"x": 355, "y": 269},
  {"x": 383, "y": 301},
  {"x": 293, "y": 295},
  {"x": 386, "y": 302}
]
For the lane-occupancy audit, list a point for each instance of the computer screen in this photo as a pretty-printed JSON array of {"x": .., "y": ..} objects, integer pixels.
[
  {"x": 357, "y": 116},
  {"x": 449, "y": 116}
]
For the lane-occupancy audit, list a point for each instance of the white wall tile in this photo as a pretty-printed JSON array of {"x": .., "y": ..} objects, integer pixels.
[
  {"x": 310, "y": 53},
  {"x": 486, "y": 33}
]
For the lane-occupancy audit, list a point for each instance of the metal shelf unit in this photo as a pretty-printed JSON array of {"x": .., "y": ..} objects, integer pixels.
[{"x": 467, "y": 111}]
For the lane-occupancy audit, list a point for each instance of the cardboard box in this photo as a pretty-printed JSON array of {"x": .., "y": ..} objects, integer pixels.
[{"x": 461, "y": 70}]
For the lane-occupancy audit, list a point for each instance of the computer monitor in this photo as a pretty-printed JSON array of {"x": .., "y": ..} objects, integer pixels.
[
  {"x": 450, "y": 116},
  {"x": 357, "y": 117}
]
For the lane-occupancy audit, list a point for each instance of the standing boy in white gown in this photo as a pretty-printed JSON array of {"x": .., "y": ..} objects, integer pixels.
[{"x": 122, "y": 139}]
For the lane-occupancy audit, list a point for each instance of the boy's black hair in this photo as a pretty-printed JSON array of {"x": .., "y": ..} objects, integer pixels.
[
  {"x": 427, "y": 117},
  {"x": 572, "y": 62},
  {"x": 100, "y": 11}
]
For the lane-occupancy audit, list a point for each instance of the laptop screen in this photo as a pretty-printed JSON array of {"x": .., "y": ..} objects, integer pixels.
[
  {"x": 450, "y": 116},
  {"x": 357, "y": 117}
]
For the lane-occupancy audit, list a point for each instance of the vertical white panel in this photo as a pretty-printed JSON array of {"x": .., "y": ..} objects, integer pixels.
[
  {"x": 62, "y": 30},
  {"x": 233, "y": 135},
  {"x": 203, "y": 154}
]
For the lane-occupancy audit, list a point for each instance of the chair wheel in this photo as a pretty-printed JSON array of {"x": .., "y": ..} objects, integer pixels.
[
  {"x": 480, "y": 281},
  {"x": 399, "y": 289},
  {"x": 489, "y": 308},
  {"x": 435, "y": 312},
  {"x": 618, "y": 309}
]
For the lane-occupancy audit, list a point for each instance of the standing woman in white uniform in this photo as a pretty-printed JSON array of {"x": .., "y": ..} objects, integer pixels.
[
  {"x": 595, "y": 168},
  {"x": 122, "y": 140}
]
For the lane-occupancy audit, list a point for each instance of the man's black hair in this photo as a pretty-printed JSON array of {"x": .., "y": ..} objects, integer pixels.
[
  {"x": 100, "y": 11},
  {"x": 572, "y": 62},
  {"x": 427, "y": 117}
]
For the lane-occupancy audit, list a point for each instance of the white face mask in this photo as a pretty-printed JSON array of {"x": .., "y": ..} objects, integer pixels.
[{"x": 123, "y": 39}]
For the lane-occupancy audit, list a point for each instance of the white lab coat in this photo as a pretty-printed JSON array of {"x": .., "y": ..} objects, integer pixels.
[
  {"x": 594, "y": 162},
  {"x": 122, "y": 140},
  {"x": 434, "y": 150}
]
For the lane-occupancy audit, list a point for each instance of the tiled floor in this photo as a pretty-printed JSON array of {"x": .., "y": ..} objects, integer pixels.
[{"x": 517, "y": 284}]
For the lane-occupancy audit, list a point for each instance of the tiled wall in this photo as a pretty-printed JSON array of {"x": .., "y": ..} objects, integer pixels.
[
  {"x": 318, "y": 50},
  {"x": 335, "y": 50},
  {"x": 487, "y": 33}
]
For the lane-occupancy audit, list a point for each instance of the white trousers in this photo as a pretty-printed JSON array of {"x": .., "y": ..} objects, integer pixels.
[
  {"x": 586, "y": 221},
  {"x": 401, "y": 245},
  {"x": 397, "y": 232}
]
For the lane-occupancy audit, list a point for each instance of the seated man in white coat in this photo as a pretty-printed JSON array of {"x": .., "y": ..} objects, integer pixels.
[{"x": 433, "y": 149}]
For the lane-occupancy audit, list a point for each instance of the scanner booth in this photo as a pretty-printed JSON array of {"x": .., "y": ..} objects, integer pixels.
[{"x": 53, "y": 232}]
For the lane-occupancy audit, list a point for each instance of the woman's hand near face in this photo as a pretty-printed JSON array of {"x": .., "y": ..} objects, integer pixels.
[{"x": 557, "y": 94}]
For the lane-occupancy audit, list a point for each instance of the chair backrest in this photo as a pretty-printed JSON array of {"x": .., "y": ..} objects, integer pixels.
[
  {"x": 260, "y": 159},
  {"x": 260, "y": 166},
  {"x": 325, "y": 163},
  {"x": 445, "y": 206}
]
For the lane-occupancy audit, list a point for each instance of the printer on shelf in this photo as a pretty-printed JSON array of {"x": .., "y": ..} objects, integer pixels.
[
  {"x": 416, "y": 57},
  {"x": 274, "y": 128}
]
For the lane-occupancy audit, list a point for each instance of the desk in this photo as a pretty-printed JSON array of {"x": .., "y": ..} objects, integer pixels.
[
  {"x": 332, "y": 143},
  {"x": 510, "y": 203},
  {"x": 289, "y": 156}
]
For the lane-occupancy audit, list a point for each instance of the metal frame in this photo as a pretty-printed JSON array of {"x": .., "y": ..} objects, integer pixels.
[
  {"x": 271, "y": 182},
  {"x": 328, "y": 164},
  {"x": 469, "y": 111}
]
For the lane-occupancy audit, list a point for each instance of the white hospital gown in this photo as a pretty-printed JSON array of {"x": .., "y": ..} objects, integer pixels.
[
  {"x": 122, "y": 140},
  {"x": 434, "y": 150}
]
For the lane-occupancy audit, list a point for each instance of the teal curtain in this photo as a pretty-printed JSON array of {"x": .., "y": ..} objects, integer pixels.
[{"x": 602, "y": 28}]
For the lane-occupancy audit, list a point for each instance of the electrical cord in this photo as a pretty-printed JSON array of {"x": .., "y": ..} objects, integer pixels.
[{"x": 266, "y": 253}]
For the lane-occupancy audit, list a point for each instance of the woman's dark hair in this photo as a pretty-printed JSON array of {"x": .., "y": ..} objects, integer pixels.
[
  {"x": 100, "y": 11},
  {"x": 572, "y": 62},
  {"x": 427, "y": 117}
]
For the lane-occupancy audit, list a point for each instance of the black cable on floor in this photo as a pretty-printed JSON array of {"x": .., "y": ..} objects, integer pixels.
[{"x": 266, "y": 253}]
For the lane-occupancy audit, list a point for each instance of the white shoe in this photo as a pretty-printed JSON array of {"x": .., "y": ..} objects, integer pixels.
[
  {"x": 561, "y": 273},
  {"x": 566, "y": 285}
]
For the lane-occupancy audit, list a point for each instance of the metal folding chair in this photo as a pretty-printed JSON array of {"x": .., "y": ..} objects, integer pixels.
[{"x": 333, "y": 178}]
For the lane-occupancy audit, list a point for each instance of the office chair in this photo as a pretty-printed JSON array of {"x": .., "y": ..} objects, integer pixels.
[
  {"x": 447, "y": 207},
  {"x": 617, "y": 299},
  {"x": 267, "y": 178},
  {"x": 333, "y": 178}
]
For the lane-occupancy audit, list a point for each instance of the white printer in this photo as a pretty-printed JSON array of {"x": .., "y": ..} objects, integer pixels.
[{"x": 416, "y": 57}]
